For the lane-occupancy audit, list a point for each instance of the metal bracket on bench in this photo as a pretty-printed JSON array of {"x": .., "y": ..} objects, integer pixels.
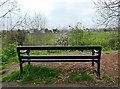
[
  {"x": 96, "y": 51},
  {"x": 23, "y": 51}
]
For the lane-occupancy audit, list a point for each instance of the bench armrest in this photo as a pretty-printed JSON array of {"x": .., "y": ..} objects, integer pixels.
[
  {"x": 23, "y": 51},
  {"x": 95, "y": 51}
]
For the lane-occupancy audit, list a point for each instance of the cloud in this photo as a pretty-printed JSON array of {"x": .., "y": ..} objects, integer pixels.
[
  {"x": 61, "y": 12},
  {"x": 67, "y": 13},
  {"x": 32, "y": 6}
]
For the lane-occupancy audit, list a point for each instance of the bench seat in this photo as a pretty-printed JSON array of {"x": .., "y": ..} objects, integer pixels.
[
  {"x": 60, "y": 57},
  {"x": 58, "y": 60}
]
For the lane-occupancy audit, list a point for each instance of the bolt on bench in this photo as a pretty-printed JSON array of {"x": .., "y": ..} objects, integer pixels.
[{"x": 95, "y": 55}]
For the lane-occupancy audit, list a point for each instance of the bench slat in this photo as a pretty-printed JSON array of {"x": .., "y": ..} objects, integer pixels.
[
  {"x": 59, "y": 57},
  {"x": 57, "y": 60},
  {"x": 58, "y": 47}
]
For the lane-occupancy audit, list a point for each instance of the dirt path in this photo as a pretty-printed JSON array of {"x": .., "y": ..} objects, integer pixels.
[
  {"x": 12, "y": 67},
  {"x": 109, "y": 65}
]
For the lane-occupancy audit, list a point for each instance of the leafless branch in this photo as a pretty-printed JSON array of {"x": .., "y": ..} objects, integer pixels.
[
  {"x": 108, "y": 11},
  {"x": 4, "y": 2},
  {"x": 7, "y": 3},
  {"x": 7, "y": 12}
]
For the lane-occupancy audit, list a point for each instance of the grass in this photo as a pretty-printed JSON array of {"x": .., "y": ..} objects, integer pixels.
[
  {"x": 12, "y": 76},
  {"x": 44, "y": 75},
  {"x": 74, "y": 76},
  {"x": 106, "y": 39},
  {"x": 35, "y": 74},
  {"x": 106, "y": 77},
  {"x": 46, "y": 52}
]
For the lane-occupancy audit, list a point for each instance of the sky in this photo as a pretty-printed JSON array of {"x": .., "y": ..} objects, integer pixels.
[{"x": 62, "y": 13}]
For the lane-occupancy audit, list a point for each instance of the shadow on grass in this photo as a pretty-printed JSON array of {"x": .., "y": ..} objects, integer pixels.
[{"x": 44, "y": 75}]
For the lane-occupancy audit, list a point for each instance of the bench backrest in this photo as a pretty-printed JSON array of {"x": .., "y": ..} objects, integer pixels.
[
  {"x": 59, "y": 48},
  {"x": 93, "y": 49}
]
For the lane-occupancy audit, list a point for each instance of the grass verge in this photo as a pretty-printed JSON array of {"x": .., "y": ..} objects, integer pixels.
[
  {"x": 44, "y": 75},
  {"x": 34, "y": 74}
]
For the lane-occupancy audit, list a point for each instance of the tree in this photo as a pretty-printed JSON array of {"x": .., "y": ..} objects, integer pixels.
[
  {"x": 13, "y": 36},
  {"x": 8, "y": 10},
  {"x": 8, "y": 6},
  {"x": 37, "y": 21},
  {"x": 109, "y": 11}
]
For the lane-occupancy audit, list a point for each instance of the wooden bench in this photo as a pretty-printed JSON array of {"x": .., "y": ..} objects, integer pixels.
[{"x": 94, "y": 56}]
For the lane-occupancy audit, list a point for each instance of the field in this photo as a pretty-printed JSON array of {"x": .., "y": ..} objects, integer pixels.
[
  {"x": 64, "y": 73},
  {"x": 108, "y": 40}
]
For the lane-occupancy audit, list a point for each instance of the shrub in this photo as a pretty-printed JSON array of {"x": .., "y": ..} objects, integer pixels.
[
  {"x": 76, "y": 37},
  {"x": 62, "y": 39},
  {"x": 13, "y": 36},
  {"x": 8, "y": 52}
]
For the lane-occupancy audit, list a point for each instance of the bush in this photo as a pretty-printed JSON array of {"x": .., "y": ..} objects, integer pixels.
[
  {"x": 8, "y": 52},
  {"x": 62, "y": 39},
  {"x": 12, "y": 36},
  {"x": 114, "y": 41},
  {"x": 76, "y": 37}
]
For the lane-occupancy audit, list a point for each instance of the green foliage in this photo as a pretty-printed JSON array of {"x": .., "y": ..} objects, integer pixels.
[
  {"x": 9, "y": 53},
  {"x": 34, "y": 39},
  {"x": 117, "y": 47},
  {"x": 55, "y": 51},
  {"x": 106, "y": 78},
  {"x": 108, "y": 40},
  {"x": 76, "y": 76},
  {"x": 13, "y": 36},
  {"x": 113, "y": 42},
  {"x": 75, "y": 37},
  {"x": 85, "y": 76},
  {"x": 62, "y": 39},
  {"x": 20, "y": 36},
  {"x": 40, "y": 39},
  {"x": 34, "y": 74},
  {"x": 73, "y": 76},
  {"x": 13, "y": 76}
]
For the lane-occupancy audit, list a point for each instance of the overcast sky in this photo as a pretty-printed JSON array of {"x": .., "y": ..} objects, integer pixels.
[{"x": 62, "y": 13}]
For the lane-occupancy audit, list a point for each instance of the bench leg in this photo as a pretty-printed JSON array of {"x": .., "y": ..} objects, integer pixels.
[
  {"x": 21, "y": 68},
  {"x": 92, "y": 63},
  {"x": 28, "y": 63},
  {"x": 98, "y": 70}
]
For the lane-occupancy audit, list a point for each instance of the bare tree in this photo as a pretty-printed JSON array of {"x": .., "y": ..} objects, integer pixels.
[
  {"x": 7, "y": 6},
  {"x": 8, "y": 13},
  {"x": 109, "y": 11},
  {"x": 37, "y": 21},
  {"x": 11, "y": 18}
]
